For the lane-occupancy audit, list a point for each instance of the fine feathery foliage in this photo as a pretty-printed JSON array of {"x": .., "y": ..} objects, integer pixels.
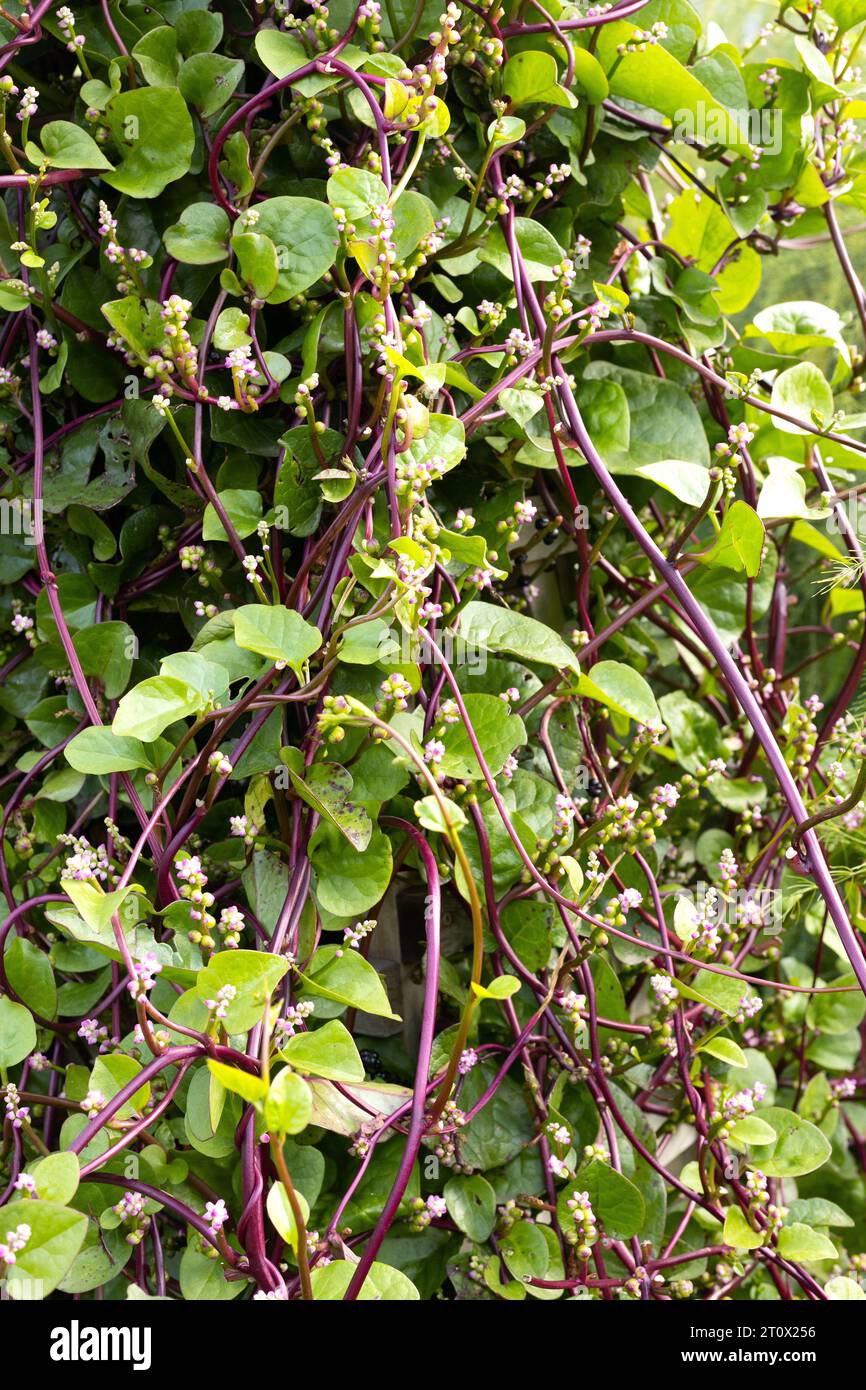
[{"x": 432, "y": 675}]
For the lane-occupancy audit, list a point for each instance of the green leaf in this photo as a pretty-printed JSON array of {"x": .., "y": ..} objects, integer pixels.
[
  {"x": 368, "y": 643},
  {"x": 722, "y": 594},
  {"x": 281, "y": 1213},
  {"x": 654, "y": 78},
  {"x": 303, "y": 231},
  {"x": 666, "y": 444},
  {"x": 203, "y": 1279},
  {"x": 100, "y": 750},
  {"x": 257, "y": 261},
  {"x": 824, "y": 86},
  {"x": 429, "y": 813},
  {"x": 56, "y": 1177},
  {"x": 694, "y": 733},
  {"x": 306, "y": 1166},
  {"x": 101, "y": 1257},
  {"x": 105, "y": 650},
  {"x": 799, "y": 1242},
  {"x": 605, "y": 411},
  {"x": 846, "y": 13},
  {"x": 200, "y": 237},
  {"x": 521, "y": 403},
  {"x": 722, "y": 992},
  {"x": 357, "y": 192},
  {"x": 614, "y": 1198},
  {"x": 67, "y": 146},
  {"x": 235, "y": 163},
  {"x": 343, "y": 1110},
  {"x": 525, "y": 1251},
  {"x": 77, "y": 601},
  {"x": 509, "y": 1289},
  {"x": 573, "y": 872},
  {"x": 445, "y": 439},
  {"x": 589, "y": 72},
  {"x": 327, "y": 788},
  {"x": 738, "y": 1233},
  {"x": 799, "y": 1146},
  {"x": 726, "y": 1050},
  {"x": 328, "y": 1051},
  {"x": 154, "y": 136},
  {"x": 621, "y": 689},
  {"x": 383, "y": 1283},
  {"x": 531, "y": 78},
  {"x": 837, "y": 1013},
  {"x": 208, "y": 80},
  {"x": 230, "y": 332},
  {"x": 289, "y": 1102},
  {"x": 348, "y": 978},
  {"x": 17, "y": 1032},
  {"x": 471, "y": 1203},
  {"x": 348, "y": 884},
  {"x": 56, "y": 1236},
  {"x": 740, "y": 543},
  {"x": 414, "y": 219},
  {"x": 253, "y": 975},
  {"x": 13, "y": 296},
  {"x": 111, "y": 1073},
  {"x": 207, "y": 1101},
  {"x": 137, "y": 323},
  {"x": 61, "y": 785},
  {"x": 496, "y": 629},
  {"x": 502, "y": 987},
  {"x": 539, "y": 250},
  {"x": 804, "y": 391},
  {"x": 276, "y": 633},
  {"x": 844, "y": 1290},
  {"x": 198, "y": 31},
  {"x": 284, "y": 53},
  {"x": 507, "y": 130},
  {"x": 502, "y": 1128},
  {"x": 241, "y": 1083},
  {"x": 751, "y": 1129},
  {"x": 30, "y": 975},
  {"x": 208, "y": 678},
  {"x": 498, "y": 734},
  {"x": 153, "y": 705},
  {"x": 94, "y": 905},
  {"x": 783, "y": 493},
  {"x": 216, "y": 1101},
  {"x": 242, "y": 506},
  {"x": 156, "y": 55},
  {"x": 281, "y": 53},
  {"x": 817, "y": 1211}
]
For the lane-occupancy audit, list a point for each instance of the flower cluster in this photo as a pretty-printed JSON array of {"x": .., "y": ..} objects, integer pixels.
[
  {"x": 219, "y": 1006},
  {"x": 585, "y": 1232},
  {"x": 17, "y": 1114},
  {"x": 14, "y": 1242},
  {"x": 194, "y": 890}
]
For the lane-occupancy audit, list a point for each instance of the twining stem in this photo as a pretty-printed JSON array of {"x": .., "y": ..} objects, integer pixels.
[{"x": 300, "y": 1227}]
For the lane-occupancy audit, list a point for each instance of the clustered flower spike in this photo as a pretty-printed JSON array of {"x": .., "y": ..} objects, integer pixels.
[
  {"x": 66, "y": 22},
  {"x": 144, "y": 973},
  {"x": 86, "y": 862},
  {"x": 219, "y": 1006},
  {"x": 194, "y": 890},
  {"x": 216, "y": 1214},
  {"x": 14, "y": 1242},
  {"x": 17, "y": 1114}
]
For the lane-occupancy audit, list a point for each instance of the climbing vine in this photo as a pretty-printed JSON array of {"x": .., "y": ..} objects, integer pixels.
[{"x": 431, "y": 679}]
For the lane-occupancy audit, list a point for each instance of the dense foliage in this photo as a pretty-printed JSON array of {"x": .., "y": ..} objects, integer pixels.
[{"x": 433, "y": 609}]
